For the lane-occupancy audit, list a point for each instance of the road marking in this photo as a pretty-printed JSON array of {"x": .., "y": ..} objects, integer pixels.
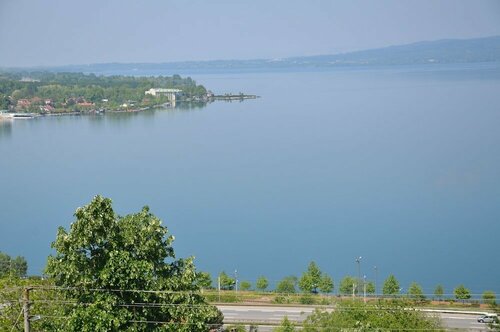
[{"x": 457, "y": 317}]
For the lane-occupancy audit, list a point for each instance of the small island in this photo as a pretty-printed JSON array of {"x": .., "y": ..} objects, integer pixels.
[{"x": 51, "y": 93}]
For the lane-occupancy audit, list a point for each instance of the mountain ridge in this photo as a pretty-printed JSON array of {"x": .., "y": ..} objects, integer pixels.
[{"x": 473, "y": 50}]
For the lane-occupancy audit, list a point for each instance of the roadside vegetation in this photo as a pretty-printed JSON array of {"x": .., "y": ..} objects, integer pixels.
[{"x": 355, "y": 315}]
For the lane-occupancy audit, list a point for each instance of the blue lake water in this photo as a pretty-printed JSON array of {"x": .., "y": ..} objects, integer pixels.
[{"x": 399, "y": 166}]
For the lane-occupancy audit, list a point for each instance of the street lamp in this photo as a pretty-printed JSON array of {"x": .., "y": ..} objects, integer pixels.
[
  {"x": 376, "y": 279},
  {"x": 358, "y": 260},
  {"x": 236, "y": 281}
]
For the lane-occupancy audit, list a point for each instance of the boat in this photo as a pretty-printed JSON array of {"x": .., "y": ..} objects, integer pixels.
[{"x": 18, "y": 116}]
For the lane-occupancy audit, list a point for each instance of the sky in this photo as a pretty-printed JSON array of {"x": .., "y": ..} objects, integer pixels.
[{"x": 62, "y": 32}]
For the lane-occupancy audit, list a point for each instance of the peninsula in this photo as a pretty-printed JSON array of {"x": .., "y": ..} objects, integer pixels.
[{"x": 49, "y": 93}]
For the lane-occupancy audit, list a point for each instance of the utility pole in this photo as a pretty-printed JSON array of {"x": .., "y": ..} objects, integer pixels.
[
  {"x": 376, "y": 280},
  {"x": 26, "y": 308}
]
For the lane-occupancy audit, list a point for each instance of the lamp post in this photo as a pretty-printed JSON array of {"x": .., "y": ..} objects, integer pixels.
[
  {"x": 376, "y": 279},
  {"x": 236, "y": 281},
  {"x": 218, "y": 286},
  {"x": 358, "y": 260}
]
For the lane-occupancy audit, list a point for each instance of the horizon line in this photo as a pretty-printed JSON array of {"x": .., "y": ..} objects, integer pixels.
[{"x": 243, "y": 59}]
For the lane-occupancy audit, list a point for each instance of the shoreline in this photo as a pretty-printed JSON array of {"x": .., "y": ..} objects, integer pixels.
[{"x": 29, "y": 115}]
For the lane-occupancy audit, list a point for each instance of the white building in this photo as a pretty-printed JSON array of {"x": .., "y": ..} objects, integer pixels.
[{"x": 170, "y": 93}]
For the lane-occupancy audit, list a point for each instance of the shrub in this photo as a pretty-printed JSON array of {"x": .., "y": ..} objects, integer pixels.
[
  {"x": 307, "y": 299},
  {"x": 280, "y": 299}
]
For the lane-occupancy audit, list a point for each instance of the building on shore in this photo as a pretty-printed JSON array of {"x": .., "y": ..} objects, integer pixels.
[{"x": 171, "y": 94}]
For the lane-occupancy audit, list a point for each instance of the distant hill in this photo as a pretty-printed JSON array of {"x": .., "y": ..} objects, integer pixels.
[
  {"x": 427, "y": 52},
  {"x": 440, "y": 51}
]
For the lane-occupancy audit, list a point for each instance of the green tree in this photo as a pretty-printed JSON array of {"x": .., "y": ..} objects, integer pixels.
[
  {"x": 415, "y": 292},
  {"x": 4, "y": 264},
  {"x": 461, "y": 293},
  {"x": 285, "y": 326},
  {"x": 309, "y": 282},
  {"x": 287, "y": 285},
  {"x": 108, "y": 264},
  {"x": 391, "y": 286},
  {"x": 245, "y": 285},
  {"x": 4, "y": 102},
  {"x": 262, "y": 283},
  {"x": 14, "y": 267},
  {"x": 226, "y": 282},
  {"x": 370, "y": 287},
  {"x": 19, "y": 266},
  {"x": 489, "y": 297},
  {"x": 204, "y": 280},
  {"x": 357, "y": 316},
  {"x": 326, "y": 284},
  {"x": 439, "y": 292},
  {"x": 346, "y": 285}
]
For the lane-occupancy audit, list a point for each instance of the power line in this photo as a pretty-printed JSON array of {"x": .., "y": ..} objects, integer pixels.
[{"x": 199, "y": 292}]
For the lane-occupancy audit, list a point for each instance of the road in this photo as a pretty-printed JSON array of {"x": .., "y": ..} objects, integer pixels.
[
  {"x": 462, "y": 321},
  {"x": 274, "y": 315}
]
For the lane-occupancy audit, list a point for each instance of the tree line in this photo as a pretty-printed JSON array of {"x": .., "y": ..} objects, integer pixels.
[
  {"x": 63, "y": 89},
  {"x": 12, "y": 266},
  {"x": 314, "y": 281}
]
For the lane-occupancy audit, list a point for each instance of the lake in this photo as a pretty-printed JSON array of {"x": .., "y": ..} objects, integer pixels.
[{"x": 398, "y": 165}]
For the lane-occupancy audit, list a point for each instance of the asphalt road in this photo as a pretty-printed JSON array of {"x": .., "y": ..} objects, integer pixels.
[
  {"x": 462, "y": 321},
  {"x": 274, "y": 314}
]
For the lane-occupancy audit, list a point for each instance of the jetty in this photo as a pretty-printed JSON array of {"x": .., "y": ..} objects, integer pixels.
[{"x": 230, "y": 97}]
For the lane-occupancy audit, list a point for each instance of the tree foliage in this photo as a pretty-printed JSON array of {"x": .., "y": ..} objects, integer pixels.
[
  {"x": 383, "y": 316},
  {"x": 314, "y": 279},
  {"x": 226, "y": 282},
  {"x": 489, "y": 297},
  {"x": 245, "y": 285},
  {"x": 14, "y": 267},
  {"x": 461, "y": 293},
  {"x": 310, "y": 279},
  {"x": 415, "y": 292},
  {"x": 4, "y": 102},
  {"x": 235, "y": 328},
  {"x": 370, "y": 287},
  {"x": 287, "y": 285},
  {"x": 285, "y": 326},
  {"x": 439, "y": 291},
  {"x": 326, "y": 284},
  {"x": 42, "y": 298},
  {"x": 204, "y": 280},
  {"x": 111, "y": 265},
  {"x": 262, "y": 283},
  {"x": 64, "y": 88},
  {"x": 346, "y": 285},
  {"x": 391, "y": 286}
]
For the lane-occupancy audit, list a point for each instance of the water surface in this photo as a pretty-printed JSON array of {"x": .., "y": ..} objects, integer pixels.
[{"x": 397, "y": 165}]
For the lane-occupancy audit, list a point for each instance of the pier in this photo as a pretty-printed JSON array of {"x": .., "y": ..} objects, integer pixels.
[{"x": 231, "y": 97}]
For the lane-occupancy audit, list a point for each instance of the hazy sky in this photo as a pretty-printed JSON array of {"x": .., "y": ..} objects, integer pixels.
[{"x": 56, "y": 32}]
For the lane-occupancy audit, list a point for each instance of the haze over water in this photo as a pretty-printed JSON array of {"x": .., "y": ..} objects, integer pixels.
[{"x": 397, "y": 165}]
